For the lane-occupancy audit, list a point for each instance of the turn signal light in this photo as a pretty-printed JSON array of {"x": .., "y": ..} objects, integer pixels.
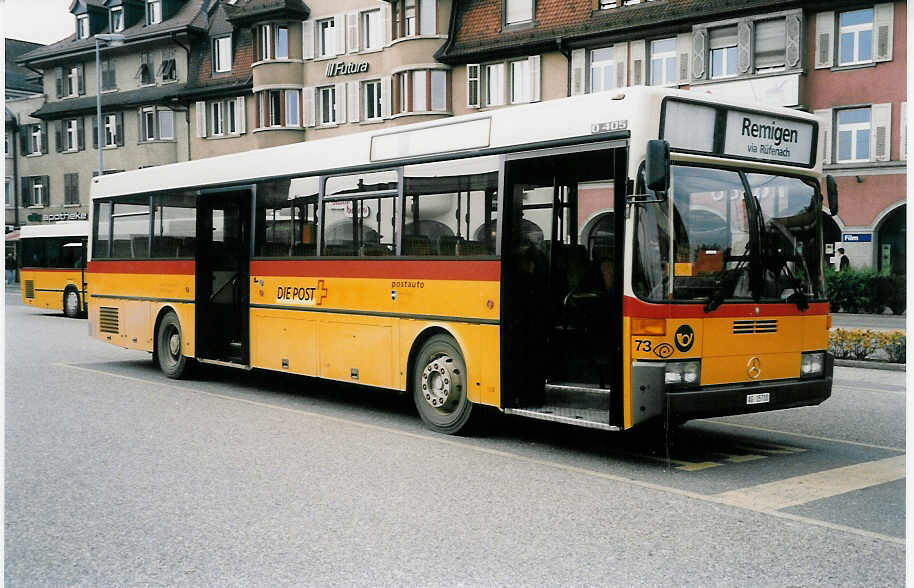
[{"x": 648, "y": 326}]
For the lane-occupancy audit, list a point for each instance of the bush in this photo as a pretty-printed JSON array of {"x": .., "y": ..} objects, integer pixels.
[
  {"x": 864, "y": 291},
  {"x": 854, "y": 344}
]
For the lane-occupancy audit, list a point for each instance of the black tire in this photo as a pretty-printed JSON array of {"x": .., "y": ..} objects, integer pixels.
[
  {"x": 72, "y": 305},
  {"x": 439, "y": 382},
  {"x": 169, "y": 342}
]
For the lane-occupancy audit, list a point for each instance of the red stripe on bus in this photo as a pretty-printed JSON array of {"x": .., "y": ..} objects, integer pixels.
[
  {"x": 145, "y": 266},
  {"x": 49, "y": 269},
  {"x": 407, "y": 269},
  {"x": 641, "y": 309}
]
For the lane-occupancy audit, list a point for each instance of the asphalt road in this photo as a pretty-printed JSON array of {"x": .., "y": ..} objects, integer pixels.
[{"x": 117, "y": 476}]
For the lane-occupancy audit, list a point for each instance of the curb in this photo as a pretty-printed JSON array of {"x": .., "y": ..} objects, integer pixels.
[{"x": 873, "y": 365}]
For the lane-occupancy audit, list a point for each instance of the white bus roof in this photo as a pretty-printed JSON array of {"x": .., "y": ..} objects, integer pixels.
[
  {"x": 542, "y": 122},
  {"x": 61, "y": 229}
]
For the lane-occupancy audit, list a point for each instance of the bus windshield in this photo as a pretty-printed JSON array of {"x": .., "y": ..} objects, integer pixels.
[{"x": 735, "y": 236}]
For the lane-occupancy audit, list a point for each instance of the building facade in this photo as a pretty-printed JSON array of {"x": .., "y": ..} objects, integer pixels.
[
  {"x": 22, "y": 94},
  {"x": 845, "y": 61}
]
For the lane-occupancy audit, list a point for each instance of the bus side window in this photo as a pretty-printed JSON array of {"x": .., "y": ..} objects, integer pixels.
[
  {"x": 174, "y": 225},
  {"x": 360, "y": 215}
]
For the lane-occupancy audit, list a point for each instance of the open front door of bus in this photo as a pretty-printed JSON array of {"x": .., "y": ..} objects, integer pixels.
[{"x": 222, "y": 288}]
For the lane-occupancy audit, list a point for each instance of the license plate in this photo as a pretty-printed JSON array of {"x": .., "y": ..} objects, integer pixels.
[{"x": 758, "y": 398}]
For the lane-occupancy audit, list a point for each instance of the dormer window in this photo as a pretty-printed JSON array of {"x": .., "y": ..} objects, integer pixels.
[
  {"x": 518, "y": 11},
  {"x": 153, "y": 12},
  {"x": 222, "y": 54},
  {"x": 117, "y": 19},
  {"x": 82, "y": 26}
]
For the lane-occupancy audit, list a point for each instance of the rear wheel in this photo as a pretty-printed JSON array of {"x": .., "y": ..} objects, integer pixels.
[
  {"x": 169, "y": 348},
  {"x": 439, "y": 383},
  {"x": 71, "y": 304}
]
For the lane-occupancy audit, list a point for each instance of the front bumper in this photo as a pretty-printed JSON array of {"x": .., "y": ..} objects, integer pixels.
[{"x": 730, "y": 399}]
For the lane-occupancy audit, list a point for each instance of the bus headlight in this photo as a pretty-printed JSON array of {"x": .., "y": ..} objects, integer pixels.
[
  {"x": 813, "y": 364},
  {"x": 683, "y": 373}
]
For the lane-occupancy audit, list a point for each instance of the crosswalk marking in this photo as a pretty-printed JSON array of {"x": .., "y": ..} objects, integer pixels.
[{"x": 802, "y": 489}]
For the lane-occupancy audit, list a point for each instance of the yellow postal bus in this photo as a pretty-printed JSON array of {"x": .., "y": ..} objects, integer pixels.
[
  {"x": 603, "y": 261},
  {"x": 52, "y": 266}
]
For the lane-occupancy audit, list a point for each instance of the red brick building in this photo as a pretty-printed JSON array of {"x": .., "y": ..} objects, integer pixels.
[{"x": 844, "y": 60}]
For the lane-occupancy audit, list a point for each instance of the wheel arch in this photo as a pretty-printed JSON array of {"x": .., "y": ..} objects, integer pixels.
[
  {"x": 420, "y": 339},
  {"x": 165, "y": 309}
]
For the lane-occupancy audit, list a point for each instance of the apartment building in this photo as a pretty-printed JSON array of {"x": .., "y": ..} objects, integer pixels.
[
  {"x": 843, "y": 60},
  {"x": 22, "y": 94}
]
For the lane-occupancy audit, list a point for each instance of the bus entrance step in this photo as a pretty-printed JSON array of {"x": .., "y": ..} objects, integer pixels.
[
  {"x": 576, "y": 394},
  {"x": 591, "y": 418}
]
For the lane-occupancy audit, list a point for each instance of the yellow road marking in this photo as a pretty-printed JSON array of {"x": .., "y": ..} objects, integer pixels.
[
  {"x": 806, "y": 488},
  {"x": 899, "y": 541},
  {"x": 741, "y": 458},
  {"x": 681, "y": 464}
]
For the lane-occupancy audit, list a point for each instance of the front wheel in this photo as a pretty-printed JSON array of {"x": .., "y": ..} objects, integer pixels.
[
  {"x": 71, "y": 303},
  {"x": 439, "y": 382},
  {"x": 169, "y": 348}
]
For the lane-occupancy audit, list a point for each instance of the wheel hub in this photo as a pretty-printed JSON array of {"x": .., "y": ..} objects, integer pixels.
[
  {"x": 438, "y": 381},
  {"x": 174, "y": 344}
]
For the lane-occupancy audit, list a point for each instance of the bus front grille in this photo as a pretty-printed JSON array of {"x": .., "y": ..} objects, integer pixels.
[
  {"x": 751, "y": 327},
  {"x": 29, "y": 288},
  {"x": 107, "y": 320}
]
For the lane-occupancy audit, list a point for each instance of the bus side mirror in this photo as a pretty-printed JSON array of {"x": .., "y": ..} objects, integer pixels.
[
  {"x": 657, "y": 166},
  {"x": 831, "y": 188}
]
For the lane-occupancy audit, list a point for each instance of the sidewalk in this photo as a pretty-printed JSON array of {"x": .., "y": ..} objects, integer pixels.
[{"x": 875, "y": 322}]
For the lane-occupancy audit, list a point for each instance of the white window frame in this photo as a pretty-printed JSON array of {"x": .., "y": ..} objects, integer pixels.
[
  {"x": 326, "y": 37},
  {"x": 519, "y": 11},
  {"x": 494, "y": 79},
  {"x": 82, "y": 26},
  {"x": 725, "y": 61},
  {"x": 520, "y": 81},
  {"x": 372, "y": 32},
  {"x": 35, "y": 142},
  {"x": 117, "y": 19},
  {"x": 771, "y": 68},
  {"x": 663, "y": 56},
  {"x": 153, "y": 12},
  {"x": 222, "y": 63},
  {"x": 323, "y": 118},
  {"x": 231, "y": 117},
  {"x": 274, "y": 115},
  {"x": 73, "y": 82},
  {"x": 8, "y": 192},
  {"x": 853, "y": 128},
  {"x": 165, "y": 114},
  {"x": 368, "y": 105},
  {"x": 855, "y": 30},
  {"x": 217, "y": 118},
  {"x": 265, "y": 38},
  {"x": 603, "y": 65},
  {"x": 149, "y": 123},
  {"x": 38, "y": 192},
  {"x": 110, "y": 130},
  {"x": 281, "y": 54},
  {"x": 292, "y": 108},
  {"x": 72, "y": 133},
  {"x": 444, "y": 96}
]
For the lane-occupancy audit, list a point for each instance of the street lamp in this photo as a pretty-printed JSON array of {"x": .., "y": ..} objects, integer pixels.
[{"x": 114, "y": 39}]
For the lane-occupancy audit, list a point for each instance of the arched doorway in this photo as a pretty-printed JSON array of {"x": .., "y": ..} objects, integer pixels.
[{"x": 890, "y": 243}]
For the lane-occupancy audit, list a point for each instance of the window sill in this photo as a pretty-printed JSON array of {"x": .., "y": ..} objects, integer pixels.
[
  {"x": 518, "y": 26},
  {"x": 424, "y": 113},
  {"x": 149, "y": 85},
  {"x": 767, "y": 74},
  {"x": 154, "y": 141},
  {"x": 371, "y": 121},
  {"x": 267, "y": 129},
  {"x": 415, "y": 38},
  {"x": 263, "y": 61},
  {"x": 36, "y": 207},
  {"x": 109, "y": 147},
  {"x": 108, "y": 90},
  {"x": 369, "y": 51},
  {"x": 34, "y": 154},
  {"x": 853, "y": 66},
  {"x": 223, "y": 136},
  {"x": 72, "y": 205},
  {"x": 174, "y": 81},
  {"x": 71, "y": 151}
]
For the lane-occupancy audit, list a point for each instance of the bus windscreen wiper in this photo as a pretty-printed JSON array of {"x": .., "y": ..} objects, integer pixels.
[
  {"x": 781, "y": 266},
  {"x": 728, "y": 281}
]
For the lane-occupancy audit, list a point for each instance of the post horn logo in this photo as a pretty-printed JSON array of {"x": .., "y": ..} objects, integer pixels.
[
  {"x": 754, "y": 368},
  {"x": 684, "y": 338}
]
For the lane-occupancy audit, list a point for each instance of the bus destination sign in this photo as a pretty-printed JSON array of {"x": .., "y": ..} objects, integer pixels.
[{"x": 767, "y": 138}]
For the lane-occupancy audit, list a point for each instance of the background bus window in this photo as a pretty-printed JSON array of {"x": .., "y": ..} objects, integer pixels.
[
  {"x": 130, "y": 227},
  {"x": 52, "y": 252},
  {"x": 273, "y": 223},
  {"x": 450, "y": 208},
  {"x": 174, "y": 225},
  {"x": 100, "y": 248},
  {"x": 360, "y": 214}
]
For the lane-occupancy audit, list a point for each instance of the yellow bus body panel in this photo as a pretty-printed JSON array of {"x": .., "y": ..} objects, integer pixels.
[{"x": 47, "y": 286}]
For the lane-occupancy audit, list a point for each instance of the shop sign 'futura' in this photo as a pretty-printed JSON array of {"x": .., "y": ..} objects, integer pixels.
[{"x": 341, "y": 68}]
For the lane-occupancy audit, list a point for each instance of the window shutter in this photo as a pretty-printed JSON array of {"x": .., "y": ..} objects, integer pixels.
[
  {"x": 25, "y": 196},
  {"x": 307, "y": 39},
  {"x": 24, "y": 132},
  {"x": 58, "y": 73},
  {"x": 825, "y": 133},
  {"x": 903, "y": 133},
  {"x": 637, "y": 63},
  {"x": 825, "y": 31},
  {"x": 119, "y": 127},
  {"x": 352, "y": 32},
  {"x": 882, "y": 35},
  {"x": 81, "y": 68},
  {"x": 472, "y": 89},
  {"x": 683, "y": 45},
  {"x": 341, "y": 103},
  {"x": 352, "y": 97},
  {"x": 744, "y": 46},
  {"x": 535, "y": 90},
  {"x": 44, "y": 137},
  {"x": 578, "y": 63},
  {"x": 80, "y": 133},
  {"x": 200, "y": 113},
  {"x": 620, "y": 50},
  {"x": 882, "y": 132},
  {"x": 792, "y": 53},
  {"x": 239, "y": 114},
  {"x": 94, "y": 132},
  {"x": 339, "y": 29},
  {"x": 385, "y": 22},
  {"x": 385, "y": 96},
  {"x": 699, "y": 52},
  {"x": 307, "y": 102},
  {"x": 46, "y": 195},
  {"x": 58, "y": 135}
]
